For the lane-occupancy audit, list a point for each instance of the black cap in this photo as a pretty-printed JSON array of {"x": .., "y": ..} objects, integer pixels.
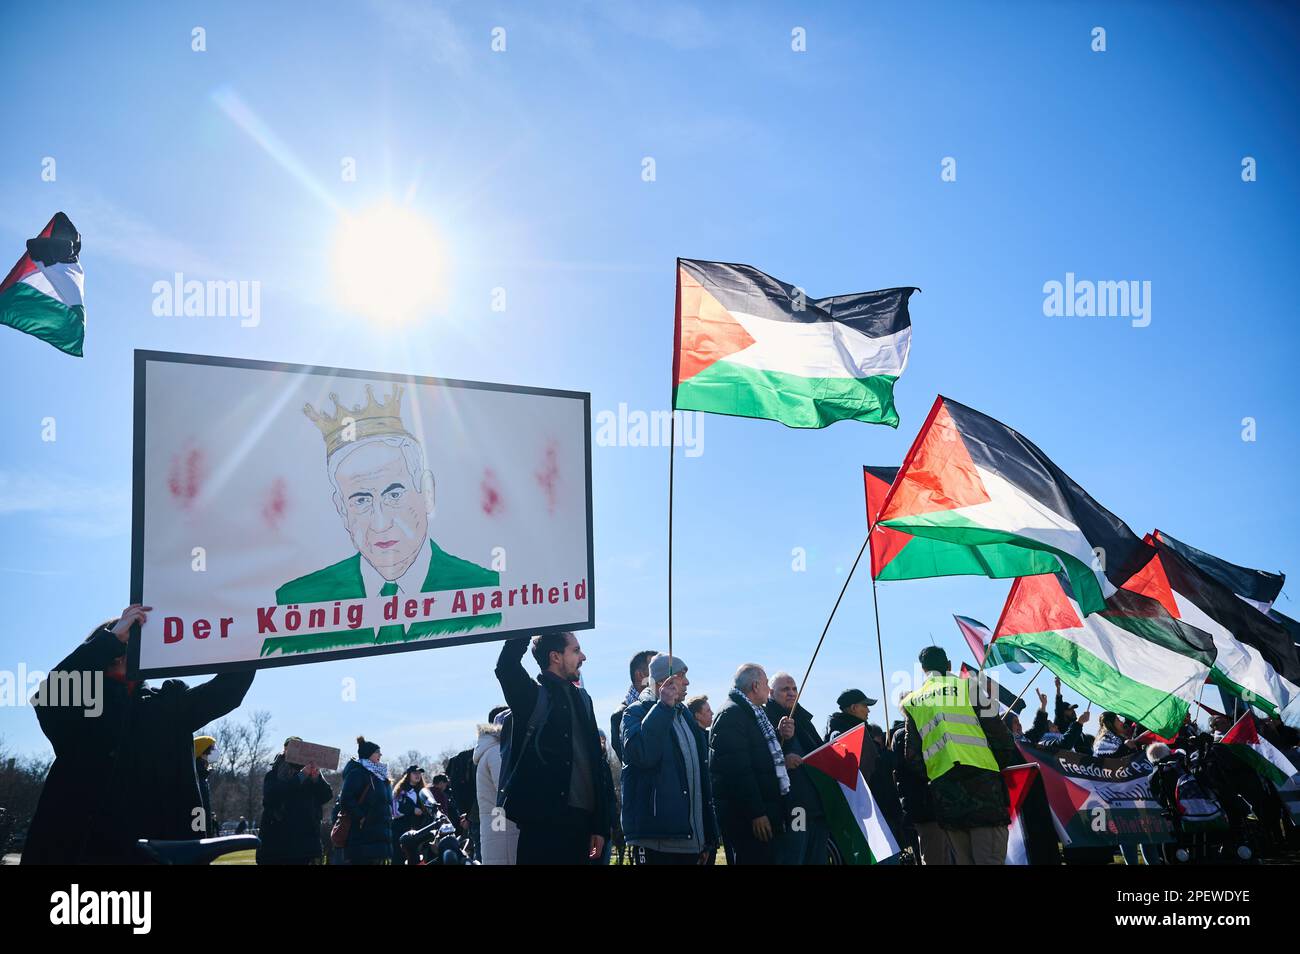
[
  {"x": 413, "y": 768},
  {"x": 851, "y": 697}
]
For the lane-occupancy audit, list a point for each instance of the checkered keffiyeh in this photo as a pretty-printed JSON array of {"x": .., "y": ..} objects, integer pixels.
[{"x": 773, "y": 743}]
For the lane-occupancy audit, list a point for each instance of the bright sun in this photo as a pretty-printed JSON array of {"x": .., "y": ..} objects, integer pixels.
[{"x": 387, "y": 263}]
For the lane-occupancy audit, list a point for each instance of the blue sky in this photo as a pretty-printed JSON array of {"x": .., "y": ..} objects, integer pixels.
[{"x": 821, "y": 167}]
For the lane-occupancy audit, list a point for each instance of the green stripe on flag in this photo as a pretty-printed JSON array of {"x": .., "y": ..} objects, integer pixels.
[
  {"x": 954, "y": 527},
  {"x": 1096, "y": 680},
  {"x": 725, "y": 387},
  {"x": 923, "y": 558},
  {"x": 844, "y": 828},
  {"x": 37, "y": 314}
]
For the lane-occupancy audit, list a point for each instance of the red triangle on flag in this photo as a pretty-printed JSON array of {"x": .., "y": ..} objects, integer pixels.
[
  {"x": 706, "y": 331},
  {"x": 841, "y": 758},
  {"x": 1153, "y": 582},
  {"x": 25, "y": 265},
  {"x": 1019, "y": 778},
  {"x": 1036, "y": 604},
  {"x": 1243, "y": 733},
  {"x": 938, "y": 473}
]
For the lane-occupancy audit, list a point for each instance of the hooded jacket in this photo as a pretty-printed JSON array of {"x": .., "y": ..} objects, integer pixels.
[{"x": 498, "y": 836}]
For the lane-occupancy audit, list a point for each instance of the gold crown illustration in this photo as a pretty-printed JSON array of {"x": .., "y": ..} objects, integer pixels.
[{"x": 372, "y": 419}]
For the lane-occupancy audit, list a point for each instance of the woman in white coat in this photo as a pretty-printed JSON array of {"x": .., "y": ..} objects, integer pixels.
[{"x": 498, "y": 836}]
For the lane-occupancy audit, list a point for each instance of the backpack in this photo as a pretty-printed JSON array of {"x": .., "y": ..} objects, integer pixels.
[
  {"x": 1194, "y": 807},
  {"x": 541, "y": 710}
]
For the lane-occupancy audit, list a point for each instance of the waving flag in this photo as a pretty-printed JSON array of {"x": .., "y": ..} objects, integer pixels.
[
  {"x": 43, "y": 293},
  {"x": 1133, "y": 657},
  {"x": 750, "y": 345},
  {"x": 1019, "y": 778},
  {"x": 1257, "y": 587},
  {"x": 987, "y": 652},
  {"x": 896, "y": 555},
  {"x": 1252, "y": 653},
  {"x": 857, "y": 827},
  {"x": 1244, "y": 741},
  {"x": 972, "y": 480}
]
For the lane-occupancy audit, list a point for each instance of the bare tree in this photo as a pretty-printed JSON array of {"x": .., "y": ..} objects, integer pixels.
[{"x": 257, "y": 759}]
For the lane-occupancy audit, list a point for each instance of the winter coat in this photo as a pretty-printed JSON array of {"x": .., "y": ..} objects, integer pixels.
[
  {"x": 138, "y": 752},
  {"x": 538, "y": 770},
  {"x": 745, "y": 783},
  {"x": 369, "y": 800},
  {"x": 656, "y": 799},
  {"x": 498, "y": 836},
  {"x": 291, "y": 813},
  {"x": 803, "y": 793},
  {"x": 460, "y": 773}
]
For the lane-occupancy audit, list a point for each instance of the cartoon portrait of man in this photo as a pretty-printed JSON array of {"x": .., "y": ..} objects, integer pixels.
[{"x": 385, "y": 497}]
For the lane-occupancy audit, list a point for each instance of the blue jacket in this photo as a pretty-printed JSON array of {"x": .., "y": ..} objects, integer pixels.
[{"x": 656, "y": 803}]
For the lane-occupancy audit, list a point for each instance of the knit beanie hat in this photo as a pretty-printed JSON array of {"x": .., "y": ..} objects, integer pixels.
[{"x": 365, "y": 749}]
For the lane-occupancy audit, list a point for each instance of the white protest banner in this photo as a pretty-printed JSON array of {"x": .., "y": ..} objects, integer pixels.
[{"x": 287, "y": 514}]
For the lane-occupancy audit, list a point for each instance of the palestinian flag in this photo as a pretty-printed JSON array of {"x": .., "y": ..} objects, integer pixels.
[
  {"x": 1132, "y": 657},
  {"x": 979, "y": 637},
  {"x": 1257, "y": 587},
  {"x": 857, "y": 827},
  {"x": 1251, "y": 651},
  {"x": 1019, "y": 778},
  {"x": 42, "y": 294},
  {"x": 896, "y": 555},
  {"x": 972, "y": 480},
  {"x": 750, "y": 345},
  {"x": 1244, "y": 741}
]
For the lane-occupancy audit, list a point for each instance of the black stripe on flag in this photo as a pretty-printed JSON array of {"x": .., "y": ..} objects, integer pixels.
[{"x": 745, "y": 289}]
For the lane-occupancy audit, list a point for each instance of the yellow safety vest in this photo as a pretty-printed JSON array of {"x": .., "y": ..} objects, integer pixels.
[{"x": 950, "y": 730}]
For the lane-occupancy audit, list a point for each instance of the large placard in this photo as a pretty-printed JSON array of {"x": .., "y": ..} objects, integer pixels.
[{"x": 288, "y": 514}]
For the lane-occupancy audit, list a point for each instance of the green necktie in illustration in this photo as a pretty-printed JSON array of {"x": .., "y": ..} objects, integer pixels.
[{"x": 390, "y": 634}]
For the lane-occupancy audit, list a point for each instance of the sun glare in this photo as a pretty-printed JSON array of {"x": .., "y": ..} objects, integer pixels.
[{"x": 387, "y": 263}]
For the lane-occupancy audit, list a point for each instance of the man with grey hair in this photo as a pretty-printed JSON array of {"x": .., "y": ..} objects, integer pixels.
[
  {"x": 385, "y": 498},
  {"x": 805, "y": 841},
  {"x": 750, "y": 781},
  {"x": 667, "y": 795}
]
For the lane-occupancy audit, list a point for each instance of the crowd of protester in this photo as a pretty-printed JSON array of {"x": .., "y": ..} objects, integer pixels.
[{"x": 668, "y": 780}]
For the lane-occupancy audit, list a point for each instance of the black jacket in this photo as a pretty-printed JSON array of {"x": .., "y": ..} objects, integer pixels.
[
  {"x": 291, "y": 813},
  {"x": 140, "y": 753},
  {"x": 536, "y": 771},
  {"x": 370, "y": 802},
  {"x": 745, "y": 783},
  {"x": 805, "y": 739}
]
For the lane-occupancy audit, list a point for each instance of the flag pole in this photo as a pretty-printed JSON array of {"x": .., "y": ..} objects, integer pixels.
[
  {"x": 825, "y": 628},
  {"x": 672, "y": 436},
  {"x": 1012, "y": 708},
  {"x": 880, "y": 649}
]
